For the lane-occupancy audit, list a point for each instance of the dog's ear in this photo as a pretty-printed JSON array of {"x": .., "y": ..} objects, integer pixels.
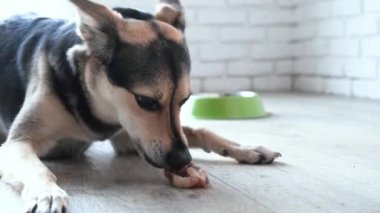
[
  {"x": 171, "y": 12},
  {"x": 98, "y": 28}
]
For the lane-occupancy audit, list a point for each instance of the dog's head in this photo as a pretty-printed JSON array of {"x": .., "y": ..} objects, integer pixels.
[{"x": 137, "y": 69}]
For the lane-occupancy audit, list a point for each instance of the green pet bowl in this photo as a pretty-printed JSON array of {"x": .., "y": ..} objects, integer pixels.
[{"x": 239, "y": 105}]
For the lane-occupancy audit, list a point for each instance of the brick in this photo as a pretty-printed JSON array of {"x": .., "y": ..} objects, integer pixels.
[
  {"x": 331, "y": 28},
  {"x": 309, "y": 84},
  {"x": 360, "y": 68},
  {"x": 363, "y": 25},
  {"x": 284, "y": 67},
  {"x": 241, "y": 34},
  {"x": 298, "y": 13},
  {"x": 190, "y": 16},
  {"x": 272, "y": 51},
  {"x": 346, "y": 7},
  {"x": 300, "y": 2},
  {"x": 304, "y": 31},
  {"x": 202, "y": 3},
  {"x": 194, "y": 52},
  {"x": 371, "y": 5},
  {"x": 211, "y": 52},
  {"x": 219, "y": 84},
  {"x": 313, "y": 10},
  {"x": 196, "y": 85},
  {"x": 367, "y": 89},
  {"x": 221, "y": 16},
  {"x": 272, "y": 83},
  {"x": 317, "y": 48},
  {"x": 285, "y": 3},
  {"x": 208, "y": 69},
  {"x": 250, "y": 2},
  {"x": 305, "y": 66},
  {"x": 344, "y": 47},
  {"x": 265, "y": 16},
  {"x": 299, "y": 49},
  {"x": 338, "y": 86},
  {"x": 198, "y": 34},
  {"x": 371, "y": 46},
  {"x": 280, "y": 33},
  {"x": 330, "y": 67},
  {"x": 249, "y": 68}
]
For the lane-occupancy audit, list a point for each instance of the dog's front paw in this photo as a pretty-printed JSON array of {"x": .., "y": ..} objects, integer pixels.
[
  {"x": 51, "y": 199},
  {"x": 258, "y": 155}
]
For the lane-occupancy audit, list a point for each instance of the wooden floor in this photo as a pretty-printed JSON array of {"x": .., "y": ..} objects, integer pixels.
[{"x": 330, "y": 163}]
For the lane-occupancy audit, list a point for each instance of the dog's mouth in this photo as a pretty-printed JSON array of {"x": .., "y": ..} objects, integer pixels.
[
  {"x": 190, "y": 176},
  {"x": 150, "y": 161},
  {"x": 144, "y": 155}
]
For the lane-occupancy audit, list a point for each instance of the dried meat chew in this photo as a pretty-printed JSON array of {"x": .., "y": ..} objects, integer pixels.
[{"x": 190, "y": 176}]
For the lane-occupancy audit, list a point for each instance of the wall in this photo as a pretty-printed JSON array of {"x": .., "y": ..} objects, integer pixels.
[
  {"x": 240, "y": 44},
  {"x": 337, "y": 47},
  {"x": 323, "y": 46}
]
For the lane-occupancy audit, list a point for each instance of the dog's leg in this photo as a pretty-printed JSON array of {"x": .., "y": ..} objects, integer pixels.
[
  {"x": 41, "y": 122},
  {"x": 121, "y": 143},
  {"x": 22, "y": 169},
  {"x": 210, "y": 141}
]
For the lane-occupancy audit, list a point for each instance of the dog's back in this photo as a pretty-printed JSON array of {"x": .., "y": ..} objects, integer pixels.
[{"x": 22, "y": 38}]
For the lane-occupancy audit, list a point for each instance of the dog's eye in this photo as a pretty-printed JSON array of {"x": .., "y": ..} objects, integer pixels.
[
  {"x": 147, "y": 103},
  {"x": 184, "y": 101}
]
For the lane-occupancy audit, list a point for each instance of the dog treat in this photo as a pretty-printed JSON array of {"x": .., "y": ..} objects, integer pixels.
[{"x": 190, "y": 176}]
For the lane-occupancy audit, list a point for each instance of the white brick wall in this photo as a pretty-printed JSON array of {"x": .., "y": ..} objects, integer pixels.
[
  {"x": 323, "y": 46},
  {"x": 338, "y": 86},
  {"x": 362, "y": 25},
  {"x": 241, "y": 44},
  {"x": 346, "y": 7},
  {"x": 337, "y": 47},
  {"x": 371, "y": 5},
  {"x": 309, "y": 84}
]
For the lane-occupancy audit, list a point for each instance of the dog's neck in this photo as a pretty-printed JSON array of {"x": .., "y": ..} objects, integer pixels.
[
  {"x": 99, "y": 96},
  {"x": 93, "y": 112}
]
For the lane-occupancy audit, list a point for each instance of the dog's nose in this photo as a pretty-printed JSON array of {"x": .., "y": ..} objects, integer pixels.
[{"x": 178, "y": 158}]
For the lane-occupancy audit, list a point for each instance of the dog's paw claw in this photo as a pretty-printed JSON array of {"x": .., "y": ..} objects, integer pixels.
[
  {"x": 277, "y": 155},
  {"x": 33, "y": 210},
  {"x": 53, "y": 200}
]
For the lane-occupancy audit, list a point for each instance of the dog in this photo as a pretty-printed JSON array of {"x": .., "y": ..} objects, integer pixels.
[{"x": 117, "y": 74}]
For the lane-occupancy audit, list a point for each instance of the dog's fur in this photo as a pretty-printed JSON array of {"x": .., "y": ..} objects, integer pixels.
[{"x": 120, "y": 75}]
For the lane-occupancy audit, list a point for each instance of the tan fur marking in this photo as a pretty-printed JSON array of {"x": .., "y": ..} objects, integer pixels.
[
  {"x": 99, "y": 87},
  {"x": 136, "y": 31},
  {"x": 171, "y": 32}
]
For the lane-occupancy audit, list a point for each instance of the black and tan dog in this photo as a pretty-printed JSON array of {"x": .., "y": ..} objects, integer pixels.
[{"x": 120, "y": 75}]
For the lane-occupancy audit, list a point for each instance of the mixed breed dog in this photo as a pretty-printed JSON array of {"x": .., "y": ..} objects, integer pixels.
[{"x": 118, "y": 74}]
